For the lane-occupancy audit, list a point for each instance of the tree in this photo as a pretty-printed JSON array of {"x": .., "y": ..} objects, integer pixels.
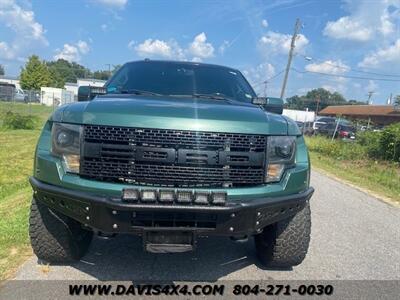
[
  {"x": 65, "y": 71},
  {"x": 2, "y": 70},
  {"x": 397, "y": 100},
  {"x": 35, "y": 74},
  {"x": 318, "y": 97},
  {"x": 101, "y": 74}
]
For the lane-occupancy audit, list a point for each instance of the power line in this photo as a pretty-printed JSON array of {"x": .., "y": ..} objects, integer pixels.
[
  {"x": 269, "y": 79},
  {"x": 347, "y": 68},
  {"x": 346, "y": 76}
]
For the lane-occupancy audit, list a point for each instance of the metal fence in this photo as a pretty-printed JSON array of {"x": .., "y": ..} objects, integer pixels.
[{"x": 11, "y": 94}]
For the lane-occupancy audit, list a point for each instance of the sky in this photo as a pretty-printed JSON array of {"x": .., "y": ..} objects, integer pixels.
[{"x": 351, "y": 46}]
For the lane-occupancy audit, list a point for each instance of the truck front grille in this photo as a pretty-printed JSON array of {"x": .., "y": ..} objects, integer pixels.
[{"x": 173, "y": 158}]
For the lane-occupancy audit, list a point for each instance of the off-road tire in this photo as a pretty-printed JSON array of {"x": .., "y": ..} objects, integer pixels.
[
  {"x": 285, "y": 243},
  {"x": 56, "y": 238}
]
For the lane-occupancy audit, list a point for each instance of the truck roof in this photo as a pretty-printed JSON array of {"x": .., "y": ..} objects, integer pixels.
[{"x": 193, "y": 63}]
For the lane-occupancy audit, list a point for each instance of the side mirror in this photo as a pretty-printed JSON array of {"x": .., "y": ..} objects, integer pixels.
[
  {"x": 274, "y": 105},
  {"x": 87, "y": 93}
]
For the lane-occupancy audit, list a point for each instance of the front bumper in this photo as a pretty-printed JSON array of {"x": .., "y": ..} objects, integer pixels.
[{"x": 109, "y": 214}]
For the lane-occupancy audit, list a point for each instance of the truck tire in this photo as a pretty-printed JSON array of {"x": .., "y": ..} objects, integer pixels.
[
  {"x": 56, "y": 238},
  {"x": 285, "y": 243}
]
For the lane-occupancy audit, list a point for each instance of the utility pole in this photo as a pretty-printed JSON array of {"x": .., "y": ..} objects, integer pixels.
[
  {"x": 265, "y": 88},
  {"x": 370, "y": 93},
  {"x": 109, "y": 69},
  {"x": 318, "y": 100},
  {"x": 292, "y": 46}
]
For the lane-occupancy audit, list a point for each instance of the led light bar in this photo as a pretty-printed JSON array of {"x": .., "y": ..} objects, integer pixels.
[
  {"x": 184, "y": 196},
  {"x": 219, "y": 198},
  {"x": 130, "y": 195},
  {"x": 202, "y": 197},
  {"x": 148, "y": 195},
  {"x": 166, "y": 196}
]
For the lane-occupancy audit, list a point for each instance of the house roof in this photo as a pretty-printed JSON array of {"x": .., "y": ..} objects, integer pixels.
[{"x": 361, "y": 110}]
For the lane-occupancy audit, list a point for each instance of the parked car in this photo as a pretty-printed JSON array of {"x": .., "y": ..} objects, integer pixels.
[
  {"x": 306, "y": 127},
  {"x": 322, "y": 121},
  {"x": 20, "y": 96},
  {"x": 172, "y": 151},
  {"x": 342, "y": 131}
]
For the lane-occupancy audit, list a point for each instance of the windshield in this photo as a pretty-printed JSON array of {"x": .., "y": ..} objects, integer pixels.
[{"x": 180, "y": 79}]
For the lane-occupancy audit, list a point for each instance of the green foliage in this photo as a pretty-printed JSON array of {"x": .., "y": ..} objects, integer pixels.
[
  {"x": 101, "y": 74},
  {"x": 35, "y": 74},
  {"x": 371, "y": 141},
  {"x": 383, "y": 145},
  {"x": 397, "y": 100},
  {"x": 65, "y": 71},
  {"x": 1, "y": 70},
  {"x": 18, "y": 121},
  {"x": 336, "y": 149},
  {"x": 390, "y": 142},
  {"x": 310, "y": 100}
]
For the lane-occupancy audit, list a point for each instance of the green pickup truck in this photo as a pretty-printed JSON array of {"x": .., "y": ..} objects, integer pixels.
[{"x": 171, "y": 151}]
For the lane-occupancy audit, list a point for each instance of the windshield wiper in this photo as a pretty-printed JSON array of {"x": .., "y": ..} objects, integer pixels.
[
  {"x": 212, "y": 96},
  {"x": 139, "y": 92}
]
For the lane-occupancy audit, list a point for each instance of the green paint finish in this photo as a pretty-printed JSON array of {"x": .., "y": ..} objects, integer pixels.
[
  {"x": 49, "y": 169},
  {"x": 180, "y": 113}
]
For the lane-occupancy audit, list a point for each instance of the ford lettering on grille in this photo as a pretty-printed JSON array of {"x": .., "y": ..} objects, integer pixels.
[{"x": 172, "y": 158}]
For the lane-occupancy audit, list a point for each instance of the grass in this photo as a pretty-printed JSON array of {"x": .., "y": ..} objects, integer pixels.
[
  {"x": 16, "y": 161},
  {"x": 350, "y": 162}
]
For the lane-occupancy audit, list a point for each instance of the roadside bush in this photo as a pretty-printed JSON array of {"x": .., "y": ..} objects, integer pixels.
[
  {"x": 390, "y": 142},
  {"x": 336, "y": 149},
  {"x": 17, "y": 121},
  {"x": 371, "y": 141}
]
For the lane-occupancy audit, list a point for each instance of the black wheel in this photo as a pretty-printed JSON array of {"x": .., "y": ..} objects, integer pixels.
[
  {"x": 285, "y": 243},
  {"x": 56, "y": 238}
]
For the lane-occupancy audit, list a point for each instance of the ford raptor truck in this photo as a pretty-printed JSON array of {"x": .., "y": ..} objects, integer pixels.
[{"x": 171, "y": 151}]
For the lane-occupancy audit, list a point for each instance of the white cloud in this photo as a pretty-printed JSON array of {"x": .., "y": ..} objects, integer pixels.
[
  {"x": 104, "y": 27},
  {"x": 264, "y": 23},
  {"x": 225, "y": 45},
  {"x": 156, "y": 48},
  {"x": 279, "y": 43},
  {"x": 131, "y": 45},
  {"x": 113, "y": 3},
  {"x": 366, "y": 21},
  {"x": 83, "y": 47},
  {"x": 72, "y": 52},
  {"x": 197, "y": 50},
  {"x": 28, "y": 32},
  {"x": 389, "y": 57},
  {"x": 258, "y": 74},
  {"x": 372, "y": 86},
  {"x": 5, "y": 51},
  {"x": 200, "y": 48},
  {"x": 328, "y": 66},
  {"x": 347, "y": 28}
]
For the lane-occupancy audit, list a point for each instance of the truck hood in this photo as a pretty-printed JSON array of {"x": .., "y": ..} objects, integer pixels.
[{"x": 174, "y": 113}]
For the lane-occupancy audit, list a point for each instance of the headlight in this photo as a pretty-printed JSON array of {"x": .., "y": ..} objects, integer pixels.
[
  {"x": 66, "y": 145},
  {"x": 280, "y": 156}
]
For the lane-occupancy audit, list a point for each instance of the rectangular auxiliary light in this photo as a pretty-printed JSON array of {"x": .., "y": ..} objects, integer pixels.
[
  {"x": 130, "y": 195},
  {"x": 219, "y": 198},
  {"x": 148, "y": 196},
  {"x": 166, "y": 196},
  {"x": 184, "y": 196},
  {"x": 202, "y": 197}
]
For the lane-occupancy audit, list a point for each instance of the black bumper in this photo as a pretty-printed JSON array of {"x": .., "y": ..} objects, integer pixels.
[{"x": 111, "y": 215}]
